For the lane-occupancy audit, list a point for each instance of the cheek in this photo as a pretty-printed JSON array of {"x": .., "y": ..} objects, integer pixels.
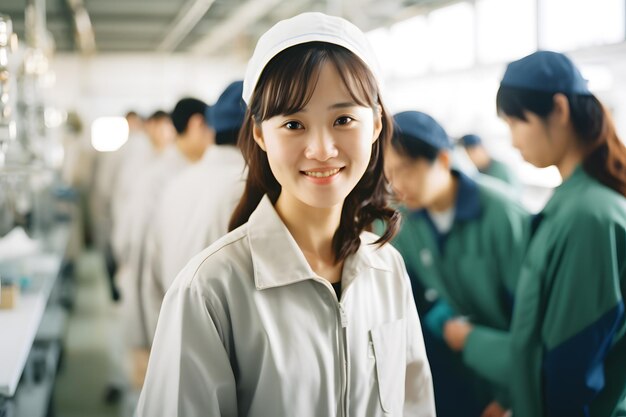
[
  {"x": 280, "y": 151},
  {"x": 413, "y": 184},
  {"x": 362, "y": 149}
]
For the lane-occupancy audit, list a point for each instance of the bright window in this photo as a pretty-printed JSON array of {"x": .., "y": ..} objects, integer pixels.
[
  {"x": 409, "y": 41},
  {"x": 571, "y": 24},
  {"x": 385, "y": 53},
  {"x": 505, "y": 29},
  {"x": 451, "y": 37},
  {"x": 108, "y": 134}
]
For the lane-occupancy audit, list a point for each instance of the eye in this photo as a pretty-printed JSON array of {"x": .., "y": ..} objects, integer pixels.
[
  {"x": 343, "y": 121},
  {"x": 293, "y": 125}
]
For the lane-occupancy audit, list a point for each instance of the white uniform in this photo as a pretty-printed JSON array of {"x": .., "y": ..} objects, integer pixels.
[
  {"x": 142, "y": 201},
  {"x": 248, "y": 329},
  {"x": 136, "y": 156},
  {"x": 193, "y": 212}
]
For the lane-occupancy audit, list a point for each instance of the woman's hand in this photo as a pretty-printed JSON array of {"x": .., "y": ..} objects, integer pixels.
[
  {"x": 455, "y": 333},
  {"x": 495, "y": 410}
]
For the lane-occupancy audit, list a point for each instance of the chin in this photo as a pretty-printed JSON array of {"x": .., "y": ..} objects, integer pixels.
[
  {"x": 538, "y": 163},
  {"x": 323, "y": 201}
]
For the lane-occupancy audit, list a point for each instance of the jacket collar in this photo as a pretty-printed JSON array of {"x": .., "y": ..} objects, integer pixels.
[
  {"x": 277, "y": 260},
  {"x": 468, "y": 205}
]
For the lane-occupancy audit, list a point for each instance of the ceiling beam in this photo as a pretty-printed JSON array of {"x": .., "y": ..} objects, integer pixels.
[
  {"x": 242, "y": 17},
  {"x": 184, "y": 23}
]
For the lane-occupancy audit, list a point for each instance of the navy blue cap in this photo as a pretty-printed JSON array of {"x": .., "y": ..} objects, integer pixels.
[
  {"x": 546, "y": 71},
  {"x": 229, "y": 110},
  {"x": 421, "y": 126},
  {"x": 470, "y": 140}
]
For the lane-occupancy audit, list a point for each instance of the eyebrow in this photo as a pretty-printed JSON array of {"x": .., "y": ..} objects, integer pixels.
[{"x": 343, "y": 105}]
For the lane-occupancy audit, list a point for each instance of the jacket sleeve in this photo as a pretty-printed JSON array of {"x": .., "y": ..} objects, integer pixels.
[
  {"x": 488, "y": 352},
  {"x": 510, "y": 244},
  {"x": 419, "y": 393},
  {"x": 584, "y": 312},
  {"x": 189, "y": 373},
  {"x": 436, "y": 318},
  {"x": 152, "y": 291}
]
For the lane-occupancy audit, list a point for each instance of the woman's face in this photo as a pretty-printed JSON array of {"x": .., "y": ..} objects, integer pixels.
[
  {"x": 319, "y": 154},
  {"x": 536, "y": 140},
  {"x": 416, "y": 183}
]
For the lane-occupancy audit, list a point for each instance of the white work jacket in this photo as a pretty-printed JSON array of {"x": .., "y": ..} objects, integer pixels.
[
  {"x": 249, "y": 330},
  {"x": 136, "y": 157},
  {"x": 193, "y": 212},
  {"x": 141, "y": 210}
]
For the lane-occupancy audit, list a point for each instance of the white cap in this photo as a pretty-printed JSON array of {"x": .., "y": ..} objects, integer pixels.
[{"x": 303, "y": 28}]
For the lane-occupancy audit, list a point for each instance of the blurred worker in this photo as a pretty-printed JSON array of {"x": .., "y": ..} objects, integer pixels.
[
  {"x": 192, "y": 138},
  {"x": 146, "y": 143},
  {"x": 565, "y": 355},
  {"x": 114, "y": 172},
  {"x": 77, "y": 174},
  {"x": 485, "y": 163},
  {"x": 463, "y": 238},
  {"x": 196, "y": 206}
]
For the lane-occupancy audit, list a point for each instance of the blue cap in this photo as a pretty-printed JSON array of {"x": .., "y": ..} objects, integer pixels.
[
  {"x": 229, "y": 110},
  {"x": 546, "y": 71},
  {"x": 421, "y": 126},
  {"x": 470, "y": 140}
]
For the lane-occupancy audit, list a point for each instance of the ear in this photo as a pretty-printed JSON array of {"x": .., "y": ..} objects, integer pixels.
[
  {"x": 257, "y": 134},
  {"x": 445, "y": 158},
  {"x": 560, "y": 112},
  {"x": 378, "y": 122}
]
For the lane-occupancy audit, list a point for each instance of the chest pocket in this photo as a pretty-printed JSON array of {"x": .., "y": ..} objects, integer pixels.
[{"x": 389, "y": 341}]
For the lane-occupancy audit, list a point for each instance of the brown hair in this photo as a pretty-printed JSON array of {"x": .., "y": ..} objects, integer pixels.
[
  {"x": 605, "y": 159},
  {"x": 285, "y": 87}
]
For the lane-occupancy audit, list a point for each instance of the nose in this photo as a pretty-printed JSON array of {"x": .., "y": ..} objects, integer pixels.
[{"x": 321, "y": 146}]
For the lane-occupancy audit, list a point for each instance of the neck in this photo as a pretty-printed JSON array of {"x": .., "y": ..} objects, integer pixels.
[
  {"x": 447, "y": 197},
  {"x": 569, "y": 162},
  {"x": 190, "y": 148},
  {"x": 312, "y": 228}
]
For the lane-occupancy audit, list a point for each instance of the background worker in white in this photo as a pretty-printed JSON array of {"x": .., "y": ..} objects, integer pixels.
[
  {"x": 296, "y": 312},
  {"x": 192, "y": 139},
  {"x": 113, "y": 177},
  {"x": 196, "y": 206},
  {"x": 143, "y": 148}
]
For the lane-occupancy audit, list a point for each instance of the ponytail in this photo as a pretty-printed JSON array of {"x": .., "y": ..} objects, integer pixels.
[{"x": 606, "y": 157}]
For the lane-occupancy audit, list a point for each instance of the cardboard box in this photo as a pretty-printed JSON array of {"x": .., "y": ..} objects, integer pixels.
[{"x": 9, "y": 294}]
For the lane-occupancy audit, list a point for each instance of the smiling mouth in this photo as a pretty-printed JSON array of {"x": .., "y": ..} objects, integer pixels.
[{"x": 322, "y": 174}]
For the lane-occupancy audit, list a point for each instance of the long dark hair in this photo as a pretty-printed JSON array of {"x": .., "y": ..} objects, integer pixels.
[
  {"x": 285, "y": 86},
  {"x": 605, "y": 158}
]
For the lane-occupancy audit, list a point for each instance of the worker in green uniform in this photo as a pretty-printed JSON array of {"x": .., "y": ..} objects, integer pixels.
[
  {"x": 462, "y": 239},
  {"x": 487, "y": 164},
  {"x": 565, "y": 355}
]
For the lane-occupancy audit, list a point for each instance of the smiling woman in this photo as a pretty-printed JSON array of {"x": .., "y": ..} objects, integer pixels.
[{"x": 298, "y": 311}]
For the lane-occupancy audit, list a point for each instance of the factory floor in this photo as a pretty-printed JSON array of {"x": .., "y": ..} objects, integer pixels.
[{"x": 91, "y": 380}]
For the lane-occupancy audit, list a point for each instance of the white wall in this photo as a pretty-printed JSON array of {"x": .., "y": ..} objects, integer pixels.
[{"x": 111, "y": 84}]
